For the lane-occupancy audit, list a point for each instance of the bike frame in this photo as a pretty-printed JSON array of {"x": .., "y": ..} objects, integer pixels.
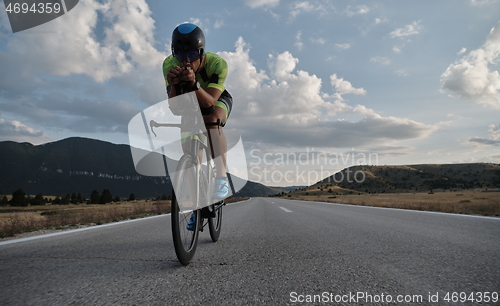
[{"x": 195, "y": 144}]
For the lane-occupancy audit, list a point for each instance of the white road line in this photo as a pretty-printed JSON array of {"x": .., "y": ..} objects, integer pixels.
[{"x": 287, "y": 210}]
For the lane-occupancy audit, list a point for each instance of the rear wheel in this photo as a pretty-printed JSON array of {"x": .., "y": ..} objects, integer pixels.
[
  {"x": 184, "y": 200},
  {"x": 214, "y": 224}
]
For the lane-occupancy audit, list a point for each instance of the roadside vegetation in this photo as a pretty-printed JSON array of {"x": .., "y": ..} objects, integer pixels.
[
  {"x": 16, "y": 220},
  {"x": 474, "y": 202},
  {"x": 20, "y": 213}
]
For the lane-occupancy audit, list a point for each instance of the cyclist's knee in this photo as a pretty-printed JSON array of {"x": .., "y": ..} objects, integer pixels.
[{"x": 218, "y": 114}]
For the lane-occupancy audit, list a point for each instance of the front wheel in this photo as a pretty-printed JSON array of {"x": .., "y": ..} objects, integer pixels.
[{"x": 184, "y": 204}]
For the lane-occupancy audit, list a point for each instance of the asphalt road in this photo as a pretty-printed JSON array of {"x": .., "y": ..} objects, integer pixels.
[{"x": 270, "y": 252}]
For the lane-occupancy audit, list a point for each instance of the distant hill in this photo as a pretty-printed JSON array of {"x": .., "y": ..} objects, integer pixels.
[
  {"x": 411, "y": 178},
  {"x": 80, "y": 165},
  {"x": 286, "y": 189}
]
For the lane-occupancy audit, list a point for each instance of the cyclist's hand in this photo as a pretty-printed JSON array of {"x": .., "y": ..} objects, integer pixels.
[
  {"x": 174, "y": 75},
  {"x": 188, "y": 75}
]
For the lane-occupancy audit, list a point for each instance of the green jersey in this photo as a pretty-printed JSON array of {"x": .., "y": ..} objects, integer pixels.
[{"x": 212, "y": 75}]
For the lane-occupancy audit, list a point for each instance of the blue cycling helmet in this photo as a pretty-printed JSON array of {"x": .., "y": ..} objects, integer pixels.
[{"x": 187, "y": 37}]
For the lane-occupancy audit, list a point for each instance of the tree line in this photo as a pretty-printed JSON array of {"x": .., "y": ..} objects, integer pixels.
[{"x": 19, "y": 198}]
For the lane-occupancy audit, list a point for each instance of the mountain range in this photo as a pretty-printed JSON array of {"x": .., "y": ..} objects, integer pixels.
[
  {"x": 413, "y": 178},
  {"x": 81, "y": 165}
]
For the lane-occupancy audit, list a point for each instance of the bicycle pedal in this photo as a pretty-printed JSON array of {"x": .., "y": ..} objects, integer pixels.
[
  {"x": 206, "y": 213},
  {"x": 220, "y": 204}
]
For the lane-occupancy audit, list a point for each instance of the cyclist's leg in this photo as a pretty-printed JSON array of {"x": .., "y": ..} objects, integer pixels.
[
  {"x": 218, "y": 142},
  {"x": 222, "y": 110},
  {"x": 217, "y": 137}
]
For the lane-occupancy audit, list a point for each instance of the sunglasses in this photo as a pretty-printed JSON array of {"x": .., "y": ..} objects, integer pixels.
[{"x": 192, "y": 55}]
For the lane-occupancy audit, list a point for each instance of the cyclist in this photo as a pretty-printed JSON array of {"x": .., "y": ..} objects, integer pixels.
[{"x": 205, "y": 74}]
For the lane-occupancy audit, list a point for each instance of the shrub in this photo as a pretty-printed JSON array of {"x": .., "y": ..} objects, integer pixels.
[
  {"x": 94, "y": 197},
  {"x": 19, "y": 198},
  {"x": 74, "y": 199},
  {"x": 38, "y": 200},
  {"x": 106, "y": 197},
  {"x": 4, "y": 201}
]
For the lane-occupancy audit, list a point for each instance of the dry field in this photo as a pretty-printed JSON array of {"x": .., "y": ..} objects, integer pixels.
[
  {"x": 461, "y": 202},
  {"x": 16, "y": 220}
]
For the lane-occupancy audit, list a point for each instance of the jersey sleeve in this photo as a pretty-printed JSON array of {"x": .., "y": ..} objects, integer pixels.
[
  {"x": 168, "y": 64},
  {"x": 220, "y": 70}
]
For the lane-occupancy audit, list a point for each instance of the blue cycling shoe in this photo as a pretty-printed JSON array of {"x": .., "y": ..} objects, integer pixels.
[
  {"x": 191, "y": 224},
  {"x": 221, "y": 188}
]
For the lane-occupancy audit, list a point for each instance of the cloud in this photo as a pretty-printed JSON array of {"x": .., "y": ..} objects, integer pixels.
[
  {"x": 285, "y": 107},
  {"x": 57, "y": 110},
  {"x": 303, "y": 6},
  {"x": 243, "y": 74},
  {"x": 345, "y": 87},
  {"x": 206, "y": 24},
  {"x": 381, "y": 60},
  {"x": 471, "y": 77},
  {"x": 125, "y": 51},
  {"x": 218, "y": 24},
  {"x": 16, "y": 131},
  {"x": 297, "y": 8},
  {"x": 343, "y": 46},
  {"x": 482, "y": 2},
  {"x": 402, "y": 72},
  {"x": 320, "y": 41},
  {"x": 262, "y": 3},
  {"x": 128, "y": 43},
  {"x": 101, "y": 45},
  {"x": 494, "y": 131},
  {"x": 298, "y": 41},
  {"x": 198, "y": 22},
  {"x": 492, "y": 140},
  {"x": 372, "y": 130},
  {"x": 376, "y": 22},
  {"x": 411, "y": 29},
  {"x": 484, "y": 141},
  {"x": 358, "y": 10},
  {"x": 414, "y": 28}
]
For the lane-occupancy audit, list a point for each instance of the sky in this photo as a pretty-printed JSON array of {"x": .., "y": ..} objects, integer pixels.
[{"x": 318, "y": 85}]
